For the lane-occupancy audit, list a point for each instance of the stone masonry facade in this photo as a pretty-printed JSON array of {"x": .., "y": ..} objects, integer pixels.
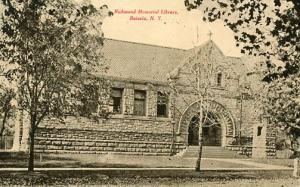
[
  {"x": 150, "y": 134},
  {"x": 120, "y": 133}
]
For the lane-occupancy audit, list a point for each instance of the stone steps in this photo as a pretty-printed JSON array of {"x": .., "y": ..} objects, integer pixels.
[{"x": 211, "y": 152}]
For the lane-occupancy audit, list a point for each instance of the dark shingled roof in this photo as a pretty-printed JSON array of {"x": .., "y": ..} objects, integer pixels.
[
  {"x": 142, "y": 62},
  {"x": 151, "y": 63}
]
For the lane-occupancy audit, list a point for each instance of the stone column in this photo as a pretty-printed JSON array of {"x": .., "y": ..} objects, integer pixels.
[
  {"x": 259, "y": 141},
  {"x": 151, "y": 103},
  {"x": 128, "y": 101}
]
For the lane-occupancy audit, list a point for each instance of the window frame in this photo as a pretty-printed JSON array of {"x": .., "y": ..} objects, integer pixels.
[
  {"x": 113, "y": 100},
  {"x": 136, "y": 100},
  {"x": 166, "y": 104}
]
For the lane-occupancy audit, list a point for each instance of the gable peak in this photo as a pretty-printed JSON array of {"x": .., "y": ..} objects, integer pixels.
[{"x": 208, "y": 46}]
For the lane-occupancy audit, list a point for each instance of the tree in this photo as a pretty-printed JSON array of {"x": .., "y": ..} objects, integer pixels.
[
  {"x": 6, "y": 108},
  {"x": 51, "y": 43},
  {"x": 270, "y": 29},
  {"x": 199, "y": 81},
  {"x": 262, "y": 28},
  {"x": 282, "y": 106}
]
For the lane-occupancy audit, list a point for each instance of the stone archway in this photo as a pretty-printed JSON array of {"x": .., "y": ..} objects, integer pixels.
[{"x": 225, "y": 120}]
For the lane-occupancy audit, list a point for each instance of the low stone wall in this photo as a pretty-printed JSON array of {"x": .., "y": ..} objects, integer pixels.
[
  {"x": 57, "y": 145},
  {"x": 247, "y": 150},
  {"x": 241, "y": 150},
  {"x": 147, "y": 137}
]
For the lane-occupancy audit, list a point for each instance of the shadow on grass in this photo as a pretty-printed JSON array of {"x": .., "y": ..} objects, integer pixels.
[
  {"x": 22, "y": 156},
  {"x": 20, "y": 159},
  {"x": 117, "y": 177}
]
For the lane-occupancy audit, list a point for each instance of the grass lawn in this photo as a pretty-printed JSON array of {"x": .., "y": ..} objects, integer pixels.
[
  {"x": 148, "y": 178},
  {"x": 116, "y": 161},
  {"x": 280, "y": 162},
  {"x": 137, "y": 177}
]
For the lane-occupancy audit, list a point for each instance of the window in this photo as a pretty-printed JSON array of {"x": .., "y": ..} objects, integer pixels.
[
  {"x": 259, "y": 129},
  {"x": 219, "y": 79},
  {"x": 162, "y": 104},
  {"x": 116, "y": 96},
  {"x": 89, "y": 99},
  {"x": 139, "y": 103}
]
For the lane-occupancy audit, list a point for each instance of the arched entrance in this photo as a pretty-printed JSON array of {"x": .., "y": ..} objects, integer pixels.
[
  {"x": 218, "y": 131},
  {"x": 211, "y": 130}
]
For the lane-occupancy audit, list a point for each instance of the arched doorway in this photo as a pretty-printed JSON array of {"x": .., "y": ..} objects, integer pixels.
[
  {"x": 222, "y": 132},
  {"x": 211, "y": 130}
]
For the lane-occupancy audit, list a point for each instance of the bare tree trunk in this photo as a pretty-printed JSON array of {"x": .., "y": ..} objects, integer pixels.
[
  {"x": 200, "y": 125},
  {"x": 31, "y": 148},
  {"x": 198, "y": 163}
]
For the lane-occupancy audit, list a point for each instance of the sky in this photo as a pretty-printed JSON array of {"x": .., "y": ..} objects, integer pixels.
[{"x": 184, "y": 30}]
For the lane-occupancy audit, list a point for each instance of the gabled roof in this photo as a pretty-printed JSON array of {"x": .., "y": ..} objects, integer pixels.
[
  {"x": 143, "y": 62},
  {"x": 151, "y": 63}
]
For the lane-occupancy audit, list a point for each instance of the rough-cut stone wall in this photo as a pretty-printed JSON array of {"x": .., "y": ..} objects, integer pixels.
[
  {"x": 263, "y": 141},
  {"x": 122, "y": 133},
  {"x": 128, "y": 101},
  {"x": 270, "y": 142},
  {"x": 129, "y": 136},
  {"x": 151, "y": 103}
]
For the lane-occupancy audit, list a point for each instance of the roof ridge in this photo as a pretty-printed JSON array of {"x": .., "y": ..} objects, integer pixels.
[
  {"x": 152, "y": 45},
  {"x": 202, "y": 45}
]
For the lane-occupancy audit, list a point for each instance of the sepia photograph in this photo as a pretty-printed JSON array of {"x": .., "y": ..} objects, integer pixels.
[{"x": 150, "y": 93}]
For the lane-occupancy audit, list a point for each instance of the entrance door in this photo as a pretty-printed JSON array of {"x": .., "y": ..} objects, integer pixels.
[
  {"x": 193, "y": 137},
  {"x": 212, "y": 133}
]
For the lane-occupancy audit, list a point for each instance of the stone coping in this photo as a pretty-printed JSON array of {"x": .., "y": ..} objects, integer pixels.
[
  {"x": 101, "y": 130},
  {"x": 143, "y": 118},
  {"x": 119, "y": 116},
  {"x": 115, "y": 141}
]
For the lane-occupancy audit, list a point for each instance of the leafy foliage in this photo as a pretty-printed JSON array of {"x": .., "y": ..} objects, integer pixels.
[
  {"x": 262, "y": 27},
  {"x": 6, "y": 110},
  {"x": 50, "y": 43},
  {"x": 282, "y": 107}
]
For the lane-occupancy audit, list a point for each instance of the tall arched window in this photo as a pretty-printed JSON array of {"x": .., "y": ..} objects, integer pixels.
[{"x": 219, "y": 79}]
